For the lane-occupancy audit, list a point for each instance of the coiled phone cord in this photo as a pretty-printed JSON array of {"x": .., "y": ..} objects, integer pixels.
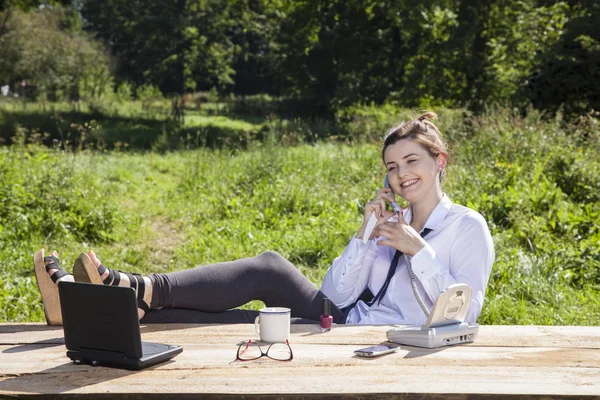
[{"x": 413, "y": 282}]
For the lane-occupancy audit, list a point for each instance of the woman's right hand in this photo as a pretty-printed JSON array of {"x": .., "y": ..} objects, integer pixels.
[{"x": 378, "y": 207}]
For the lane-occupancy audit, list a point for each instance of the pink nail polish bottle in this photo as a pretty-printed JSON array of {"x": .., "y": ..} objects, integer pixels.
[{"x": 326, "y": 318}]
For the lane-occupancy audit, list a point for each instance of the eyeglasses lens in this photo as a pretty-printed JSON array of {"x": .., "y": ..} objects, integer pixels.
[
  {"x": 280, "y": 351},
  {"x": 249, "y": 351}
]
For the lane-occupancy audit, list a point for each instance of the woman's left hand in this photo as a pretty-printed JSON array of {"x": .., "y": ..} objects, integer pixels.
[{"x": 401, "y": 236}]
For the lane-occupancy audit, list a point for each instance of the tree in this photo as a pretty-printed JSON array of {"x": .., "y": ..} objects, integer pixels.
[
  {"x": 27, "y": 5},
  {"x": 253, "y": 30},
  {"x": 39, "y": 50},
  {"x": 567, "y": 75},
  {"x": 176, "y": 44}
]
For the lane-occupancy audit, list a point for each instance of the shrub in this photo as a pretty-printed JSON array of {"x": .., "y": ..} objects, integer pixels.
[{"x": 74, "y": 65}]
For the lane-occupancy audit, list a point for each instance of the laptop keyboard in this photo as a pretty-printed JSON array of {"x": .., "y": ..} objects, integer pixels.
[{"x": 149, "y": 348}]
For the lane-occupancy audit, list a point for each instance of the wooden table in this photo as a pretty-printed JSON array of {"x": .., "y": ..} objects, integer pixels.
[{"x": 519, "y": 362}]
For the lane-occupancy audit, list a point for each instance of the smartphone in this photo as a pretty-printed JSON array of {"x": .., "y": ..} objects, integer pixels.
[{"x": 375, "y": 351}]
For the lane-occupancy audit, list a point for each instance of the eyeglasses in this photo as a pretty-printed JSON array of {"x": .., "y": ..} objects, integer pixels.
[{"x": 276, "y": 351}]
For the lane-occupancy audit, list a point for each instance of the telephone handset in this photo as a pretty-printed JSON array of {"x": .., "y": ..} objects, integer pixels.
[
  {"x": 395, "y": 206},
  {"x": 373, "y": 219}
]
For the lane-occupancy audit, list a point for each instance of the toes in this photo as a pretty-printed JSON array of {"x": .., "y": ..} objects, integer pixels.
[
  {"x": 94, "y": 259},
  {"x": 53, "y": 253},
  {"x": 54, "y": 267},
  {"x": 97, "y": 263}
]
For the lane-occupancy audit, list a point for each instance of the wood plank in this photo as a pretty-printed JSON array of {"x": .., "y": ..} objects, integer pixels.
[
  {"x": 489, "y": 335},
  {"x": 259, "y": 379},
  {"x": 506, "y": 361},
  {"x": 25, "y": 359}
]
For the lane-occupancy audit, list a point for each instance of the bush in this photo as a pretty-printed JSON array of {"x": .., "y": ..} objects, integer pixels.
[
  {"x": 124, "y": 92},
  {"x": 371, "y": 122},
  {"x": 74, "y": 66}
]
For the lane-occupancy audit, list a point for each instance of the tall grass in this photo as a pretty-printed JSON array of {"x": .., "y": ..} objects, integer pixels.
[{"x": 536, "y": 183}]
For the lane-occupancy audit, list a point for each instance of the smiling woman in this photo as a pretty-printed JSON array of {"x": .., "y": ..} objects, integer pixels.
[{"x": 458, "y": 247}]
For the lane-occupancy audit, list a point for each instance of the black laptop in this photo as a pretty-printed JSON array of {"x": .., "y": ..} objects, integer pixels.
[{"x": 101, "y": 327}]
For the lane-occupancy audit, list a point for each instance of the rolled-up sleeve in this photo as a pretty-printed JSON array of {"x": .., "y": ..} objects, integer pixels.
[
  {"x": 348, "y": 276},
  {"x": 472, "y": 256}
]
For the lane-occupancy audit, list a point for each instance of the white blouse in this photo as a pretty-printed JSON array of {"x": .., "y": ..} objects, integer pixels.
[{"x": 459, "y": 250}]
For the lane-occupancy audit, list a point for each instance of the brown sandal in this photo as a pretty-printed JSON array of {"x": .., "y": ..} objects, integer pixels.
[
  {"x": 84, "y": 270},
  {"x": 47, "y": 285}
]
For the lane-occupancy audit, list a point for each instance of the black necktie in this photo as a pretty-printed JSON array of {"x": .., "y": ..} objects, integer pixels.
[{"x": 392, "y": 271}]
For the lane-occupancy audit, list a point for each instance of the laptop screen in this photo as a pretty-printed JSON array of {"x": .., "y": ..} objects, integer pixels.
[{"x": 100, "y": 318}]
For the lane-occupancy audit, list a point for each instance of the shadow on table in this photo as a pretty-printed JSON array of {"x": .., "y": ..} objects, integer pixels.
[
  {"x": 62, "y": 378},
  {"x": 16, "y": 328},
  {"x": 20, "y": 348},
  {"x": 10, "y": 336},
  {"x": 412, "y": 352},
  {"x": 416, "y": 352}
]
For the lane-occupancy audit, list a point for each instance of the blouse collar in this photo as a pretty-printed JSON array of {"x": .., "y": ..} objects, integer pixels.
[{"x": 437, "y": 215}]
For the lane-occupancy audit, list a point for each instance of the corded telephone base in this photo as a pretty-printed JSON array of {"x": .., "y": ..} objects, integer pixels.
[
  {"x": 445, "y": 324},
  {"x": 432, "y": 337}
]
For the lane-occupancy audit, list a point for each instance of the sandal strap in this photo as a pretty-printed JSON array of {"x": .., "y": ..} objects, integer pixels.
[
  {"x": 142, "y": 304},
  {"x": 117, "y": 278},
  {"x": 140, "y": 294},
  {"x": 113, "y": 277},
  {"x": 133, "y": 283},
  {"x": 51, "y": 263},
  {"x": 136, "y": 281},
  {"x": 58, "y": 274},
  {"x": 141, "y": 286},
  {"x": 109, "y": 278}
]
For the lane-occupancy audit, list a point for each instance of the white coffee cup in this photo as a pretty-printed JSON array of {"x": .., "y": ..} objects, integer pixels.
[{"x": 273, "y": 324}]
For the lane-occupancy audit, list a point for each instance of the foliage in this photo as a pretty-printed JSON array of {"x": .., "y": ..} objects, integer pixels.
[
  {"x": 367, "y": 122},
  {"x": 123, "y": 92},
  {"x": 322, "y": 56},
  {"x": 177, "y": 46},
  {"x": 42, "y": 56},
  {"x": 142, "y": 124},
  {"x": 534, "y": 181},
  {"x": 253, "y": 29},
  {"x": 46, "y": 196},
  {"x": 565, "y": 76},
  {"x": 416, "y": 54},
  {"x": 27, "y": 5}
]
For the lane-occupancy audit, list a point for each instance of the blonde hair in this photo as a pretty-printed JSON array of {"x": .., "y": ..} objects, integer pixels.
[{"x": 422, "y": 131}]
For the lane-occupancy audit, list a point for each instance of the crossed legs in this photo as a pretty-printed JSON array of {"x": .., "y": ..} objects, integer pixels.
[{"x": 210, "y": 294}]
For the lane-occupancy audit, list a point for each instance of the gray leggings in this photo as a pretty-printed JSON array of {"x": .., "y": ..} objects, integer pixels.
[{"x": 211, "y": 293}]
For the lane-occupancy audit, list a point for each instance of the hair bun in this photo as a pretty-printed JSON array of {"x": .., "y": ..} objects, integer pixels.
[{"x": 428, "y": 115}]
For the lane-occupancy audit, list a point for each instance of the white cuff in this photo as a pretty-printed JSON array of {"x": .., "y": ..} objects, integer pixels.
[{"x": 424, "y": 264}]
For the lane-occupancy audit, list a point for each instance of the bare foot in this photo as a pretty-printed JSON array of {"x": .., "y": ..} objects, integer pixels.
[
  {"x": 52, "y": 259},
  {"x": 124, "y": 281}
]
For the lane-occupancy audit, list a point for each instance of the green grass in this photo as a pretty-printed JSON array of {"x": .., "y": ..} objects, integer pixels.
[
  {"x": 536, "y": 183},
  {"x": 133, "y": 124}
]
